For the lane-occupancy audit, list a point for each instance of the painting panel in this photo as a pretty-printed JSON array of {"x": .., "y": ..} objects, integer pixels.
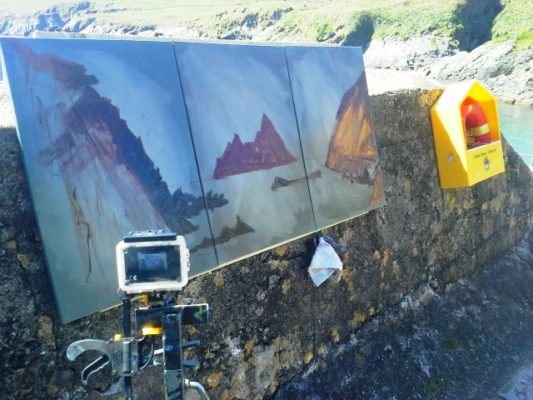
[
  {"x": 331, "y": 101},
  {"x": 245, "y": 135},
  {"x": 107, "y": 149}
]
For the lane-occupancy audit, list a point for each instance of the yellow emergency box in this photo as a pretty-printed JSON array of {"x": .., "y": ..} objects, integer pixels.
[{"x": 459, "y": 165}]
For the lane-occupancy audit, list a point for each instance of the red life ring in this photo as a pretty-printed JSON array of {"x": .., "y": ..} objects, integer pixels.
[{"x": 475, "y": 122}]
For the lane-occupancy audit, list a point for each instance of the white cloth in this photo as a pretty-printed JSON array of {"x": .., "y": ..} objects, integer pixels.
[{"x": 325, "y": 263}]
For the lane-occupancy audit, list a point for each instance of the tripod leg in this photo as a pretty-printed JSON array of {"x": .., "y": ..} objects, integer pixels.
[
  {"x": 126, "y": 325},
  {"x": 172, "y": 356},
  {"x": 198, "y": 387}
]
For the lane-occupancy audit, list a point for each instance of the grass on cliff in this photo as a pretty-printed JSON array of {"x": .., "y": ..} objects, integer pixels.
[
  {"x": 386, "y": 17},
  {"x": 317, "y": 20},
  {"x": 322, "y": 20},
  {"x": 515, "y": 22}
]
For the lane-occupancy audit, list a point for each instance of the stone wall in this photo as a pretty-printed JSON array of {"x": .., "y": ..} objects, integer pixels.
[{"x": 268, "y": 321}]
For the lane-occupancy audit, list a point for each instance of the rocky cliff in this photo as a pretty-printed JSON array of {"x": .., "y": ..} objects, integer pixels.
[
  {"x": 447, "y": 40},
  {"x": 506, "y": 72},
  {"x": 269, "y": 323}
]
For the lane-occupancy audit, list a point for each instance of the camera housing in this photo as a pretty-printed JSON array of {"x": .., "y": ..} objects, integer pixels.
[{"x": 152, "y": 261}]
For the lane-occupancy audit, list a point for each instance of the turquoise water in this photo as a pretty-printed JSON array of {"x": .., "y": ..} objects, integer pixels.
[{"x": 516, "y": 124}]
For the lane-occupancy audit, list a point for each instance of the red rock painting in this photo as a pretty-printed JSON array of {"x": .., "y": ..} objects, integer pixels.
[{"x": 265, "y": 152}]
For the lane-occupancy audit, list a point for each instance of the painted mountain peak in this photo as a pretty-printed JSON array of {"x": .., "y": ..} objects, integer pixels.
[
  {"x": 96, "y": 141},
  {"x": 352, "y": 151},
  {"x": 265, "y": 152}
]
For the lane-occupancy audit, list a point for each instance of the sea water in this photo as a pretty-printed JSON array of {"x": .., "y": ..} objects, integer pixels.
[{"x": 516, "y": 125}]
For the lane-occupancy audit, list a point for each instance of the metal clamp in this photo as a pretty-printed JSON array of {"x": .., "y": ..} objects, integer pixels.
[{"x": 122, "y": 354}]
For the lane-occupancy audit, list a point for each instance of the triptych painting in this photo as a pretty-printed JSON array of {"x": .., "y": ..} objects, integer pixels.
[{"x": 236, "y": 147}]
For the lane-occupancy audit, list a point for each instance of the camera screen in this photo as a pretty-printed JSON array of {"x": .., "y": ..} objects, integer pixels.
[{"x": 152, "y": 264}]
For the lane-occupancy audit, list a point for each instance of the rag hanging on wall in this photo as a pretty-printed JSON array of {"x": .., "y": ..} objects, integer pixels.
[{"x": 325, "y": 261}]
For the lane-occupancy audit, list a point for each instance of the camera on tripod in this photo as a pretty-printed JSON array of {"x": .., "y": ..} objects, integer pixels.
[{"x": 152, "y": 261}]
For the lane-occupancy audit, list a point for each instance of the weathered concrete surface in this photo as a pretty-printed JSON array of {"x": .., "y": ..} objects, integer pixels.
[
  {"x": 471, "y": 341},
  {"x": 382, "y": 81},
  {"x": 7, "y": 116},
  {"x": 269, "y": 322}
]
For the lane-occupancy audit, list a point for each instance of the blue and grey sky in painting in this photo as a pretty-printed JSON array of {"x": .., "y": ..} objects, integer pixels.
[{"x": 228, "y": 88}]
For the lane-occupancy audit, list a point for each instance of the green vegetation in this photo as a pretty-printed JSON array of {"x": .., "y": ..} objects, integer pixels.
[
  {"x": 515, "y": 22},
  {"x": 318, "y": 20},
  {"x": 400, "y": 19},
  {"x": 323, "y": 32}
]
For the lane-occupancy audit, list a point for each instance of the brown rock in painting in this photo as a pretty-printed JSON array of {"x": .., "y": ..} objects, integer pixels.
[
  {"x": 352, "y": 151},
  {"x": 265, "y": 152}
]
